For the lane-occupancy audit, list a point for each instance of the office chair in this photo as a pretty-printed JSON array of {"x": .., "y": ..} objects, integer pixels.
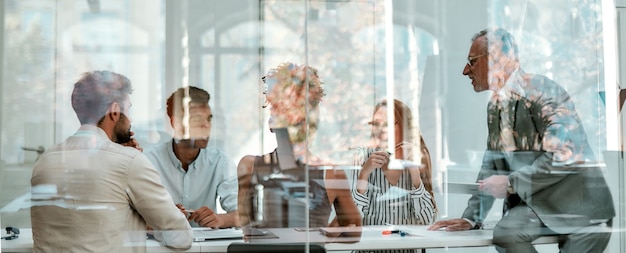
[{"x": 242, "y": 247}]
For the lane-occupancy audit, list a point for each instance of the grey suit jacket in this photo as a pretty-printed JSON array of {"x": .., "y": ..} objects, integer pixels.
[{"x": 546, "y": 128}]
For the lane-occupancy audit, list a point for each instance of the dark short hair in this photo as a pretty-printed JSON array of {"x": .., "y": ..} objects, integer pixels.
[
  {"x": 95, "y": 91},
  {"x": 508, "y": 45},
  {"x": 175, "y": 101}
]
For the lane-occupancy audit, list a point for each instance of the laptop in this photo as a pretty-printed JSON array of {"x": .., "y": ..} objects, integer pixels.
[
  {"x": 275, "y": 247},
  {"x": 205, "y": 234}
]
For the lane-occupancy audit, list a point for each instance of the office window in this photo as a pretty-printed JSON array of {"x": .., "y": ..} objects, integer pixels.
[{"x": 365, "y": 51}]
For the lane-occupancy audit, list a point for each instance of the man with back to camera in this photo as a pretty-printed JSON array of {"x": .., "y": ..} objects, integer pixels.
[
  {"x": 91, "y": 194},
  {"x": 536, "y": 144},
  {"x": 195, "y": 174}
]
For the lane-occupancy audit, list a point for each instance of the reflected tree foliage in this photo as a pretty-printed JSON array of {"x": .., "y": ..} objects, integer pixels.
[
  {"x": 565, "y": 45},
  {"x": 28, "y": 76}
]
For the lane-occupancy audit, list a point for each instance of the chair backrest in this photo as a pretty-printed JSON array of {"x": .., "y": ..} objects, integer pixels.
[{"x": 243, "y": 247}]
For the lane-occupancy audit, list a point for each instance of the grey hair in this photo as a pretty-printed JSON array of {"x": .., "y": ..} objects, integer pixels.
[{"x": 508, "y": 45}]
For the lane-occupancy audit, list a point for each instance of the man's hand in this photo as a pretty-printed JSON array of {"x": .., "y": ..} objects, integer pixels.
[
  {"x": 182, "y": 209},
  {"x": 206, "y": 217},
  {"x": 495, "y": 186},
  {"x": 451, "y": 225},
  {"x": 132, "y": 143}
]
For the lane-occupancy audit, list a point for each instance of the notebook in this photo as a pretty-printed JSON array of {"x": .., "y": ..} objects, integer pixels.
[
  {"x": 343, "y": 231},
  {"x": 204, "y": 234},
  {"x": 462, "y": 188}
]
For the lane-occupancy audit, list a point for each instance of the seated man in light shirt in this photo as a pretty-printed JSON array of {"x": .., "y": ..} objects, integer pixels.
[
  {"x": 91, "y": 194},
  {"x": 195, "y": 174}
]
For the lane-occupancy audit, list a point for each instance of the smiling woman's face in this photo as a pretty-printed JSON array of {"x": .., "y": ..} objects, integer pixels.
[{"x": 379, "y": 126}]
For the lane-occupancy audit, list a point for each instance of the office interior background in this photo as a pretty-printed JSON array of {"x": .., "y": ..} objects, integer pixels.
[{"x": 365, "y": 51}]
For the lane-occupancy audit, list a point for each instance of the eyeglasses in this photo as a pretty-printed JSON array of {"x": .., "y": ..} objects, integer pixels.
[
  {"x": 271, "y": 74},
  {"x": 375, "y": 124},
  {"x": 268, "y": 82},
  {"x": 266, "y": 103},
  {"x": 471, "y": 60}
]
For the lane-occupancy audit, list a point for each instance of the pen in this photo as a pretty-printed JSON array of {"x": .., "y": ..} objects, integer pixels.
[
  {"x": 395, "y": 231},
  {"x": 388, "y": 232}
]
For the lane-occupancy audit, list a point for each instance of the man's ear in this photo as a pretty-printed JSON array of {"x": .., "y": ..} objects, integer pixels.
[
  {"x": 173, "y": 125},
  {"x": 114, "y": 111},
  {"x": 172, "y": 121}
]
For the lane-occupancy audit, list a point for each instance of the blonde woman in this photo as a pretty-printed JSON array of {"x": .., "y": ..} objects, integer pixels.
[{"x": 293, "y": 94}]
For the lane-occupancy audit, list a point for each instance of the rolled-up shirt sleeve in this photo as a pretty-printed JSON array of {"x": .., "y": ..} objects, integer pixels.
[
  {"x": 227, "y": 190},
  {"x": 362, "y": 201},
  {"x": 423, "y": 206}
]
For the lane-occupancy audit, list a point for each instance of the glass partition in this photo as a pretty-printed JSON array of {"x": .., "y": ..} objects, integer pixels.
[{"x": 340, "y": 65}]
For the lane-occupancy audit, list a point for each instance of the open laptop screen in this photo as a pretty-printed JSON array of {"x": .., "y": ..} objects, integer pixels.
[{"x": 284, "y": 151}]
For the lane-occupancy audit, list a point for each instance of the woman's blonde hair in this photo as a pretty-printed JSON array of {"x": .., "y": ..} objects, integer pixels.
[{"x": 294, "y": 92}]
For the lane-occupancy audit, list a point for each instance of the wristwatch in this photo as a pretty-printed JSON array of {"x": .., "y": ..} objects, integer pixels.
[{"x": 509, "y": 189}]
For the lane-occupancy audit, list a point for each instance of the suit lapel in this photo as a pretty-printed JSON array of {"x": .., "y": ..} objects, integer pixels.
[
  {"x": 511, "y": 114},
  {"x": 493, "y": 123},
  {"x": 526, "y": 132}
]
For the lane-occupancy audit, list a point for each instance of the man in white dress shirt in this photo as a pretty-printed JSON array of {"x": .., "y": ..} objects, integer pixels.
[
  {"x": 91, "y": 194},
  {"x": 194, "y": 173}
]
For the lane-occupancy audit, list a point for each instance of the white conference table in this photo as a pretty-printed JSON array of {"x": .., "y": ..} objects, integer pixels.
[{"x": 371, "y": 238}]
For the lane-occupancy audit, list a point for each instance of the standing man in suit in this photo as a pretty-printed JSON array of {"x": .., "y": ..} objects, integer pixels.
[{"x": 536, "y": 142}]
